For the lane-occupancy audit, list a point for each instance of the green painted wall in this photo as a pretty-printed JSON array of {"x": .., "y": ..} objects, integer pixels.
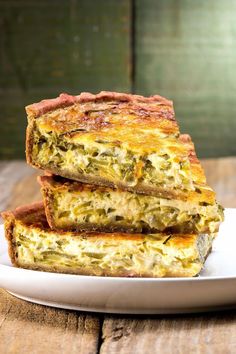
[
  {"x": 53, "y": 46},
  {"x": 182, "y": 49},
  {"x": 186, "y": 50}
]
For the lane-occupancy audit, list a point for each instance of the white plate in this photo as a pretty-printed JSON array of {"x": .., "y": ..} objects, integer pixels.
[{"x": 215, "y": 288}]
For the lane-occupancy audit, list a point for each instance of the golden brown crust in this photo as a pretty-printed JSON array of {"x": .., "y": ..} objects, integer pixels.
[
  {"x": 65, "y": 100},
  {"x": 29, "y": 144},
  {"x": 48, "y": 208},
  {"x": 196, "y": 168},
  {"x": 23, "y": 211},
  {"x": 32, "y": 215},
  {"x": 9, "y": 227},
  {"x": 187, "y": 140},
  {"x": 94, "y": 122}
]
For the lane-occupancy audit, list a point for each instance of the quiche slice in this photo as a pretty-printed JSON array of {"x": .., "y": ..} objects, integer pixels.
[
  {"x": 73, "y": 205},
  {"x": 110, "y": 139},
  {"x": 33, "y": 245}
]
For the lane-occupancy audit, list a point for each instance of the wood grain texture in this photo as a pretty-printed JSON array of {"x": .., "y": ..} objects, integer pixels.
[
  {"x": 48, "y": 47},
  {"x": 198, "y": 334},
  {"x": 10, "y": 174},
  {"x": 185, "y": 50},
  {"x": 27, "y": 328}
]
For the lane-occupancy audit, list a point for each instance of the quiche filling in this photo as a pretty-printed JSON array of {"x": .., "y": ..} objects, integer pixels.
[
  {"x": 137, "y": 212},
  {"x": 108, "y": 159},
  {"x": 155, "y": 254}
]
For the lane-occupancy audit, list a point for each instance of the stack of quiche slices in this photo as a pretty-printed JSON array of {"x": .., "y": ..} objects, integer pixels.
[{"x": 123, "y": 192}]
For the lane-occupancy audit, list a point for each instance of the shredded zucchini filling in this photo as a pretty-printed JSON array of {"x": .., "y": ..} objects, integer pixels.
[
  {"x": 130, "y": 210},
  {"x": 107, "y": 160},
  {"x": 152, "y": 254}
]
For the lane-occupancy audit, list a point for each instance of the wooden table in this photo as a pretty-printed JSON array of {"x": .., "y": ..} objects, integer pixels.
[{"x": 29, "y": 328}]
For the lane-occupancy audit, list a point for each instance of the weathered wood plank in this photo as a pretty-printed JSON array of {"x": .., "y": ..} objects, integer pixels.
[
  {"x": 200, "y": 334},
  {"x": 48, "y": 47},
  {"x": 31, "y": 328},
  {"x": 27, "y": 186},
  {"x": 36, "y": 329},
  {"x": 186, "y": 50},
  {"x": 11, "y": 173}
]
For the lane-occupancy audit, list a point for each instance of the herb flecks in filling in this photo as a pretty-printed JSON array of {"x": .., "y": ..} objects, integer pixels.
[
  {"x": 130, "y": 210},
  {"x": 152, "y": 254},
  {"x": 110, "y": 161}
]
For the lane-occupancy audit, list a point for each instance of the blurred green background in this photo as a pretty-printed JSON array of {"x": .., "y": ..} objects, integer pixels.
[{"x": 182, "y": 49}]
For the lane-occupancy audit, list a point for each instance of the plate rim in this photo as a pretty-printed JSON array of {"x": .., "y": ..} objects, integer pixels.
[{"x": 122, "y": 311}]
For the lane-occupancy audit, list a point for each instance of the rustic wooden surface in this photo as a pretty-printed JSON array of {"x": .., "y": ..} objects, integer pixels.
[{"x": 30, "y": 328}]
